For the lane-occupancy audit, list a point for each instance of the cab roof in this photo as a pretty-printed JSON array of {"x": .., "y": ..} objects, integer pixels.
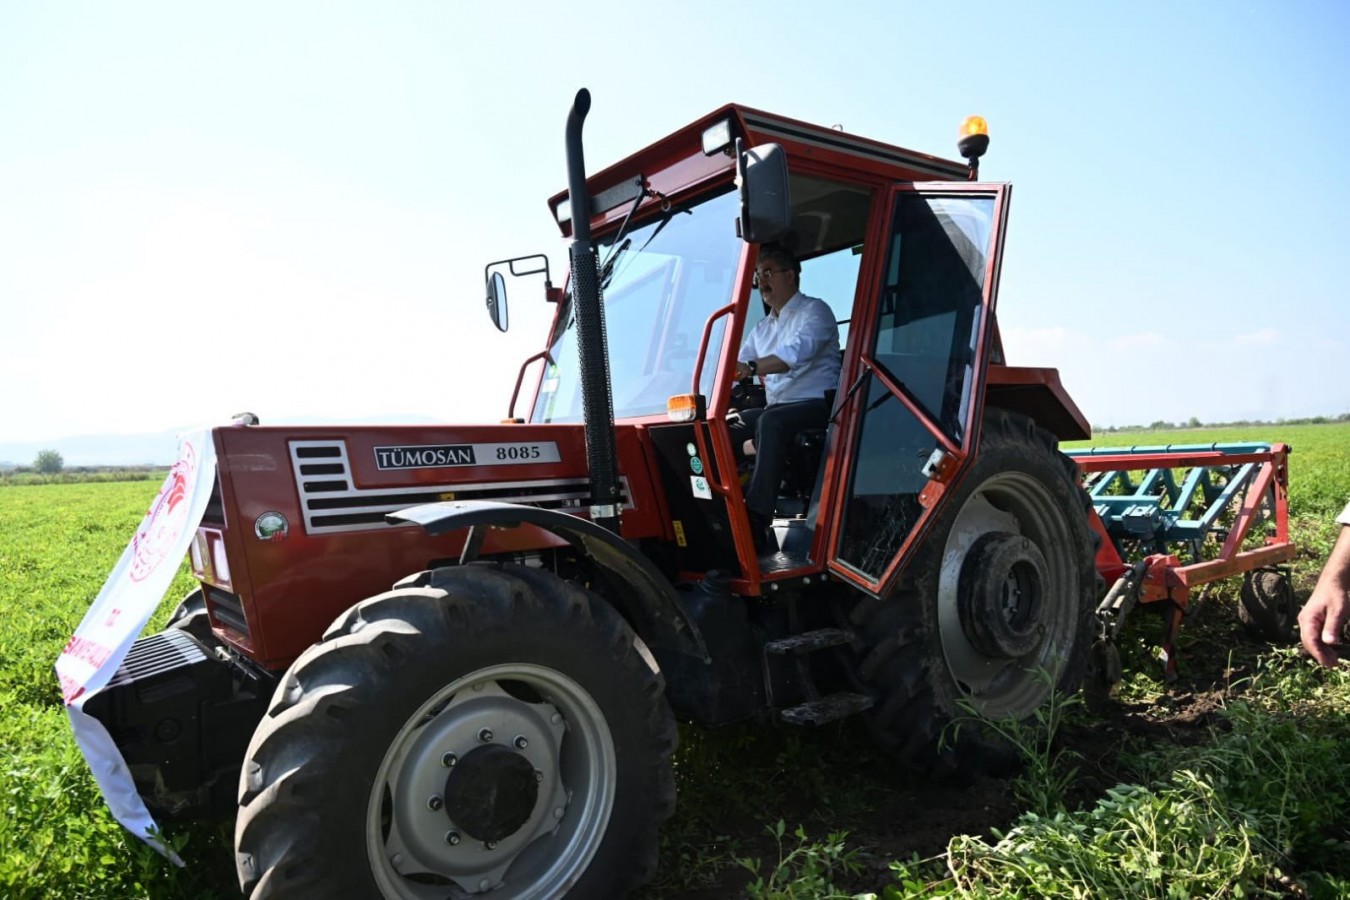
[{"x": 676, "y": 164}]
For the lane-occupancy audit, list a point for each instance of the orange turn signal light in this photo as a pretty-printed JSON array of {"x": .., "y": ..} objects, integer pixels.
[{"x": 683, "y": 407}]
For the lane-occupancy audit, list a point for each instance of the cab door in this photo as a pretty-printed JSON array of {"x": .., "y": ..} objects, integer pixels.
[{"x": 915, "y": 389}]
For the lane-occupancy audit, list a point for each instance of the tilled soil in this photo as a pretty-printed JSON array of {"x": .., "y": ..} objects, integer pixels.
[{"x": 833, "y": 781}]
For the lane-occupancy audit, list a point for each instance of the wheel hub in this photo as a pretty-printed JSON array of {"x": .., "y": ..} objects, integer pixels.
[
  {"x": 491, "y": 792},
  {"x": 1000, "y": 593}
]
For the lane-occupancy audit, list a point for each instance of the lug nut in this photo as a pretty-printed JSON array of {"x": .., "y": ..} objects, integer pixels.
[
  {"x": 485, "y": 735},
  {"x": 538, "y": 776},
  {"x": 434, "y": 803},
  {"x": 520, "y": 742},
  {"x": 449, "y": 759},
  {"x": 452, "y": 838},
  {"x": 489, "y": 845}
]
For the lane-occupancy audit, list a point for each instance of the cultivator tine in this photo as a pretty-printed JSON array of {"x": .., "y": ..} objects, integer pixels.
[{"x": 1189, "y": 529}]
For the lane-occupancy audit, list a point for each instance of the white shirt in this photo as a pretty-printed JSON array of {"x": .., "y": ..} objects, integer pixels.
[{"x": 803, "y": 335}]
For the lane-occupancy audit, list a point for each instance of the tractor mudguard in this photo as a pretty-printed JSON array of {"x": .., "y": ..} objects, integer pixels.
[{"x": 659, "y": 616}]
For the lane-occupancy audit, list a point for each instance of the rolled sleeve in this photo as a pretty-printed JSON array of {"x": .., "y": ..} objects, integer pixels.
[{"x": 815, "y": 330}]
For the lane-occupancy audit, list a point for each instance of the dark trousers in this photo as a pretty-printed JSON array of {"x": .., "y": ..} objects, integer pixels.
[{"x": 773, "y": 428}]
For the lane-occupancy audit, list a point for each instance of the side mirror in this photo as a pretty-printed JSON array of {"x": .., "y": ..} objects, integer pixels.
[
  {"x": 766, "y": 208},
  {"x": 496, "y": 284},
  {"x": 496, "y": 301}
]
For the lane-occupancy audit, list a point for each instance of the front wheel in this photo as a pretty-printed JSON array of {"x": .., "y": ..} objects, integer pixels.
[{"x": 494, "y": 730}]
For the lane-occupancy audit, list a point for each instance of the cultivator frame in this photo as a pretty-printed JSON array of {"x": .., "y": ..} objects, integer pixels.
[{"x": 1157, "y": 508}]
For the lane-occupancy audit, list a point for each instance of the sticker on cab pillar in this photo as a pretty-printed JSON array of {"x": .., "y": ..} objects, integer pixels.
[
  {"x": 439, "y": 456},
  {"x": 696, "y": 465},
  {"x": 271, "y": 526},
  {"x": 680, "y": 539},
  {"x": 700, "y": 486}
]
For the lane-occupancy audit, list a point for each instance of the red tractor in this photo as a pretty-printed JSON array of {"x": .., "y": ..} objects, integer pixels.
[{"x": 443, "y": 661}]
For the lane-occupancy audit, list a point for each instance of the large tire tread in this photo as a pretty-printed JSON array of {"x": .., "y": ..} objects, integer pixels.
[
  {"x": 902, "y": 666},
  {"x": 283, "y": 848}
]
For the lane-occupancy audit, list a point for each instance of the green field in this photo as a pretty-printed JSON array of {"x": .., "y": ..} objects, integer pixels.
[
  {"x": 1319, "y": 459},
  {"x": 1262, "y": 807}
]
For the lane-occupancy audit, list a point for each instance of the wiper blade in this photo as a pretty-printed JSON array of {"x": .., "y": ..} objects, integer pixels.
[{"x": 615, "y": 253}]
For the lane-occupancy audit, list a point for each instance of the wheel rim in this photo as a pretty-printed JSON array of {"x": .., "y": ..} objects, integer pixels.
[
  {"x": 419, "y": 842},
  {"x": 1012, "y": 503}
]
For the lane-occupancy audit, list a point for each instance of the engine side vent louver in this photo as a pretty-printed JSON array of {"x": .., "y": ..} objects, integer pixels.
[
  {"x": 227, "y": 608},
  {"x": 316, "y": 450},
  {"x": 323, "y": 469},
  {"x": 319, "y": 487},
  {"x": 333, "y": 504}
]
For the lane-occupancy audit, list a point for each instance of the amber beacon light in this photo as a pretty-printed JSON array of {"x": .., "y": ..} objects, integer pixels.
[{"x": 972, "y": 140}]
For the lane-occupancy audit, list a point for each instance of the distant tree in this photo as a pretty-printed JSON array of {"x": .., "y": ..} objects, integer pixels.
[
  {"x": 48, "y": 462},
  {"x": 1193, "y": 422}
]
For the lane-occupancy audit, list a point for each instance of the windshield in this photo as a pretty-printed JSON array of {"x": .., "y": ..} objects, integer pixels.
[{"x": 660, "y": 284}]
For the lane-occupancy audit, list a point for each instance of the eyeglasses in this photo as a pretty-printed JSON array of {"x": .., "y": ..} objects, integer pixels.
[{"x": 765, "y": 273}]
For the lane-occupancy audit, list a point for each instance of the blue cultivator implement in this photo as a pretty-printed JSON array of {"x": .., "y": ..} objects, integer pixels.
[{"x": 1175, "y": 517}]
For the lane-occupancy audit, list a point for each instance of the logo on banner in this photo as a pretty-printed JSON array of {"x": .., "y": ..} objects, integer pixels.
[{"x": 164, "y": 522}]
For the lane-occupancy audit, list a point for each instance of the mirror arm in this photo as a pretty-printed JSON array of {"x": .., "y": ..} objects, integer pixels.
[{"x": 511, "y": 265}]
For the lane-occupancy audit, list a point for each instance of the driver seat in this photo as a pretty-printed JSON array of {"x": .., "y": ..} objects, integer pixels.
[{"x": 803, "y": 464}]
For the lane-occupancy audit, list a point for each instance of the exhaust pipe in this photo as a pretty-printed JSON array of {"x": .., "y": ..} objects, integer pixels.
[{"x": 596, "y": 398}]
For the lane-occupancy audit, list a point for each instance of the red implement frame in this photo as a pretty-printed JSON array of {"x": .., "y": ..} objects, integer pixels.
[{"x": 1159, "y": 577}]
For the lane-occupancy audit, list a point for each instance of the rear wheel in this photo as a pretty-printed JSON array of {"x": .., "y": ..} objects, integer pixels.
[
  {"x": 995, "y": 609},
  {"x": 492, "y": 730}
]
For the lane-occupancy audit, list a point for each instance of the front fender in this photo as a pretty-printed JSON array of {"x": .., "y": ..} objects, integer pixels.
[{"x": 659, "y": 616}]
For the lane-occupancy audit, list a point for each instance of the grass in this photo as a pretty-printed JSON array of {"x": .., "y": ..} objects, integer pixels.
[
  {"x": 1258, "y": 809},
  {"x": 1262, "y": 810},
  {"x": 57, "y": 838}
]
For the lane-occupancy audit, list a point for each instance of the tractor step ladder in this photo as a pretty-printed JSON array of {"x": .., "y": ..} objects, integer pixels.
[
  {"x": 817, "y": 710},
  {"x": 826, "y": 709},
  {"x": 808, "y": 641}
]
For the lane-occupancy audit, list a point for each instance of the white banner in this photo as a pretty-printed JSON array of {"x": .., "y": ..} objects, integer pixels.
[{"x": 119, "y": 613}]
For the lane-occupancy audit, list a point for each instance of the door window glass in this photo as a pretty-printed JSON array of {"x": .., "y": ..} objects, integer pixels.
[
  {"x": 929, "y": 315},
  {"x": 883, "y": 499},
  {"x": 926, "y": 329}
]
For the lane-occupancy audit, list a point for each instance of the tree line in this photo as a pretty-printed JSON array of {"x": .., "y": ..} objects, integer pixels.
[{"x": 1194, "y": 422}]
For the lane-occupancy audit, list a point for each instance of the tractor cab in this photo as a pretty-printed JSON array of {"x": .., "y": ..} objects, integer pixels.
[{"x": 903, "y": 247}]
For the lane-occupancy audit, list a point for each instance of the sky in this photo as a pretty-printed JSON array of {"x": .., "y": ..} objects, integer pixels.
[{"x": 286, "y": 207}]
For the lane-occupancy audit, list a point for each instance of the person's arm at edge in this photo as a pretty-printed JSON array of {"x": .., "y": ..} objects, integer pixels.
[{"x": 1324, "y": 616}]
